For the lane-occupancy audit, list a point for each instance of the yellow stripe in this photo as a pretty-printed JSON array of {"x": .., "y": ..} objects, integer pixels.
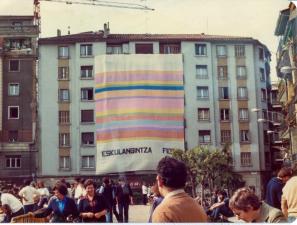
[
  {"x": 129, "y": 83},
  {"x": 137, "y": 110}
]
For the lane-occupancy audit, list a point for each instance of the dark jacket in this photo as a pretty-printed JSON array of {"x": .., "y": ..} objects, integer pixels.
[
  {"x": 70, "y": 209},
  {"x": 98, "y": 204},
  {"x": 274, "y": 192},
  {"x": 123, "y": 194}
]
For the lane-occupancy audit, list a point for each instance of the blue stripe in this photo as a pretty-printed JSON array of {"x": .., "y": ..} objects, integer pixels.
[{"x": 98, "y": 90}]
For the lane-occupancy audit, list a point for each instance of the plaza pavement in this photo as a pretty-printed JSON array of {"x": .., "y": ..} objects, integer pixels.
[{"x": 138, "y": 213}]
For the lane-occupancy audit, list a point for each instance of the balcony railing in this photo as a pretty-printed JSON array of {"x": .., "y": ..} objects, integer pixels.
[{"x": 19, "y": 30}]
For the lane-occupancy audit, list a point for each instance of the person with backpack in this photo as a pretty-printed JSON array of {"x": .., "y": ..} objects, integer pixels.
[{"x": 124, "y": 198}]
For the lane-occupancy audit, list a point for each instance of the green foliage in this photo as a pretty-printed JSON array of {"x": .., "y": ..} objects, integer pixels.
[{"x": 212, "y": 168}]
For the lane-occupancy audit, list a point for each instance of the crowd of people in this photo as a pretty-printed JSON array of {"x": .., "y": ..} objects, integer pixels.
[{"x": 84, "y": 201}]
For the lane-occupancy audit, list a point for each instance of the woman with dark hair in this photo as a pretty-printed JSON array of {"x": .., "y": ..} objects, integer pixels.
[
  {"x": 63, "y": 208},
  {"x": 92, "y": 208},
  {"x": 246, "y": 205}
]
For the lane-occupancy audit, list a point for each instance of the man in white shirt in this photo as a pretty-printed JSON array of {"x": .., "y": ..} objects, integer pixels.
[
  {"x": 144, "y": 193},
  {"x": 15, "y": 204},
  {"x": 80, "y": 191},
  {"x": 28, "y": 195}
]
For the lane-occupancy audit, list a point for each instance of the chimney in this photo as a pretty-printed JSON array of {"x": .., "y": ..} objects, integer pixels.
[
  {"x": 58, "y": 32},
  {"x": 106, "y": 30}
]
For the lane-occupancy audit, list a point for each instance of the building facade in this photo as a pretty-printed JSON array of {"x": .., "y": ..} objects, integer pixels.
[
  {"x": 286, "y": 30},
  {"x": 224, "y": 78},
  {"x": 18, "y": 60}
]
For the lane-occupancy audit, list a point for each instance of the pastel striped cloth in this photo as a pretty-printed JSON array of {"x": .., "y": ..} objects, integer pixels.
[{"x": 140, "y": 99}]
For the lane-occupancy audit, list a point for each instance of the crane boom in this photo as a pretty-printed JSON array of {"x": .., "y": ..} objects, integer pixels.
[{"x": 104, "y": 3}]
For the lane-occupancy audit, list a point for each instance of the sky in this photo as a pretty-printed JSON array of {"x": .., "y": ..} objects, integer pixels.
[{"x": 248, "y": 18}]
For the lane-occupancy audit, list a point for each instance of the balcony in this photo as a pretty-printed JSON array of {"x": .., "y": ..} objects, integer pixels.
[{"x": 17, "y": 31}]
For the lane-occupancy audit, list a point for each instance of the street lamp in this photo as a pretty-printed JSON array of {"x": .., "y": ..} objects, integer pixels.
[{"x": 276, "y": 121}]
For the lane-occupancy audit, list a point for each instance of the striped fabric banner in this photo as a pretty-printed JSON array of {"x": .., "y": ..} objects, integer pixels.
[{"x": 139, "y": 104}]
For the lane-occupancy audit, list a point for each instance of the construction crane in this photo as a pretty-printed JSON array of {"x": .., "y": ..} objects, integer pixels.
[{"x": 87, "y": 2}]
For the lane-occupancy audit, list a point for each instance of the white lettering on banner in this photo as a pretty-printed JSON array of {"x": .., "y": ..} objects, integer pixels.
[{"x": 167, "y": 150}]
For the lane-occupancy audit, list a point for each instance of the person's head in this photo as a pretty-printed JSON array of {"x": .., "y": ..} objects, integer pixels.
[
  {"x": 90, "y": 187},
  {"x": 155, "y": 190},
  {"x": 221, "y": 195},
  {"x": 122, "y": 180},
  {"x": 60, "y": 190},
  {"x": 171, "y": 174},
  {"x": 285, "y": 174},
  {"x": 245, "y": 204},
  {"x": 106, "y": 181},
  {"x": 40, "y": 184}
]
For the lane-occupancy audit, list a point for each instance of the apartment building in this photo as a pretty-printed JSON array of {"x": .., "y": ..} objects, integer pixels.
[
  {"x": 224, "y": 78},
  {"x": 18, "y": 41},
  {"x": 286, "y": 30}
]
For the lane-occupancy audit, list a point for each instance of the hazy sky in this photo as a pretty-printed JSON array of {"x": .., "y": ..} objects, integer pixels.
[{"x": 250, "y": 18}]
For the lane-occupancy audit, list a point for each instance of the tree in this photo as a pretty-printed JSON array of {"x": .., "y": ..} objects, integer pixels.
[{"x": 210, "y": 168}]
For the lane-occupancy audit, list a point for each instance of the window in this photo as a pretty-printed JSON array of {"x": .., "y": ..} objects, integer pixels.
[
  {"x": 263, "y": 95},
  {"x": 241, "y": 72},
  {"x": 87, "y": 94},
  {"x": 144, "y": 48},
  {"x": 86, "y": 50},
  {"x": 64, "y": 162},
  {"x": 64, "y": 95},
  {"x": 64, "y": 117},
  {"x": 204, "y": 136},
  {"x": 202, "y": 92},
  {"x": 63, "y": 73},
  {"x": 13, "y": 112},
  {"x": 63, "y": 52},
  {"x": 86, "y": 71},
  {"x": 169, "y": 48},
  {"x": 221, "y": 51},
  {"x": 203, "y": 114},
  {"x": 261, "y": 53},
  {"x": 13, "y": 89},
  {"x": 17, "y": 26},
  {"x": 243, "y": 114},
  {"x": 200, "y": 49},
  {"x": 225, "y": 136},
  {"x": 88, "y": 162},
  {"x": 13, "y": 135},
  {"x": 114, "y": 49},
  {"x": 246, "y": 158},
  {"x": 242, "y": 93},
  {"x": 87, "y": 138},
  {"x": 225, "y": 114},
  {"x": 87, "y": 116},
  {"x": 262, "y": 74},
  {"x": 64, "y": 140},
  {"x": 244, "y": 136},
  {"x": 201, "y": 71},
  {"x": 13, "y": 161},
  {"x": 14, "y": 65},
  {"x": 222, "y": 72},
  {"x": 239, "y": 50},
  {"x": 223, "y": 93}
]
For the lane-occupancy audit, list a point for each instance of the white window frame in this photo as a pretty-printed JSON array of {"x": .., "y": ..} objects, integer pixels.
[
  {"x": 242, "y": 93},
  {"x": 243, "y": 114},
  {"x": 200, "y": 49},
  {"x": 241, "y": 72},
  {"x": 88, "y": 143},
  {"x": 89, "y": 164},
  {"x": 245, "y": 136},
  {"x": 13, "y": 106},
  {"x": 63, "y": 52},
  {"x": 204, "y": 92},
  {"x": 222, "y": 93},
  {"x": 262, "y": 74},
  {"x": 226, "y": 116},
  {"x": 222, "y": 72},
  {"x": 64, "y": 117},
  {"x": 246, "y": 159},
  {"x": 86, "y": 50},
  {"x": 63, "y": 73},
  {"x": 19, "y": 65},
  {"x": 63, "y": 161},
  {"x": 13, "y": 89},
  {"x": 114, "y": 49},
  {"x": 239, "y": 50},
  {"x": 86, "y": 72},
  {"x": 62, "y": 95},
  {"x": 64, "y": 139},
  {"x": 221, "y": 50},
  {"x": 205, "y": 114},
  {"x": 84, "y": 94},
  {"x": 13, "y": 160},
  {"x": 201, "y": 71},
  {"x": 224, "y": 136},
  {"x": 206, "y": 138}
]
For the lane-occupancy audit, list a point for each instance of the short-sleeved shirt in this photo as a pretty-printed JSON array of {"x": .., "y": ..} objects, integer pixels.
[{"x": 98, "y": 204}]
